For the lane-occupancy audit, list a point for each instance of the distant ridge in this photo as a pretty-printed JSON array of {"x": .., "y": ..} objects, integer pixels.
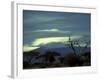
[{"x": 61, "y": 50}]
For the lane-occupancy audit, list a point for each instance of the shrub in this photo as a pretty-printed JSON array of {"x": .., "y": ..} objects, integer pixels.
[{"x": 72, "y": 59}]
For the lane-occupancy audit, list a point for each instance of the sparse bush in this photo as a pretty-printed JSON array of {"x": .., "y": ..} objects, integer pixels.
[
  {"x": 25, "y": 65},
  {"x": 86, "y": 59},
  {"x": 50, "y": 56},
  {"x": 72, "y": 59}
]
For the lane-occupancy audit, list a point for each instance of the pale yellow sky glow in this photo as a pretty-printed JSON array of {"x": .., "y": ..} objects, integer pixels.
[
  {"x": 44, "y": 41},
  {"x": 29, "y": 48}
]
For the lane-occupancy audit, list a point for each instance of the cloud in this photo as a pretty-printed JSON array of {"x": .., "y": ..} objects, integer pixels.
[
  {"x": 29, "y": 48},
  {"x": 52, "y": 30},
  {"x": 44, "y": 41},
  {"x": 47, "y": 41},
  {"x": 47, "y": 30}
]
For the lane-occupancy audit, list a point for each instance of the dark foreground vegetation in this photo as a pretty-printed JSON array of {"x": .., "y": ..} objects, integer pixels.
[{"x": 53, "y": 59}]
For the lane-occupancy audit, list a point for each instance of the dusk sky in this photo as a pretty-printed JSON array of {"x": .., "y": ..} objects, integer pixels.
[{"x": 51, "y": 29}]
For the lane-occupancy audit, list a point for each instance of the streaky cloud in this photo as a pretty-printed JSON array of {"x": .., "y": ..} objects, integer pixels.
[
  {"x": 47, "y": 30},
  {"x": 29, "y": 48},
  {"x": 52, "y": 30},
  {"x": 44, "y": 41}
]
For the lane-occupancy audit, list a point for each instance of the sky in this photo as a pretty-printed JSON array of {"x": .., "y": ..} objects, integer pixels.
[{"x": 52, "y": 29}]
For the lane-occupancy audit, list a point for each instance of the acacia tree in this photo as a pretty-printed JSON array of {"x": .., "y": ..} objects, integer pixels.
[
  {"x": 31, "y": 54},
  {"x": 82, "y": 44},
  {"x": 50, "y": 56}
]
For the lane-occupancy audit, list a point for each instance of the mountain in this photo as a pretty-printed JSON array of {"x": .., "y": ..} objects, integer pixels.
[{"x": 61, "y": 50}]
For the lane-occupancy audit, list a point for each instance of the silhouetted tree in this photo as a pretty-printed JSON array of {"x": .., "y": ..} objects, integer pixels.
[
  {"x": 30, "y": 55},
  {"x": 72, "y": 59},
  {"x": 77, "y": 42},
  {"x": 50, "y": 56}
]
